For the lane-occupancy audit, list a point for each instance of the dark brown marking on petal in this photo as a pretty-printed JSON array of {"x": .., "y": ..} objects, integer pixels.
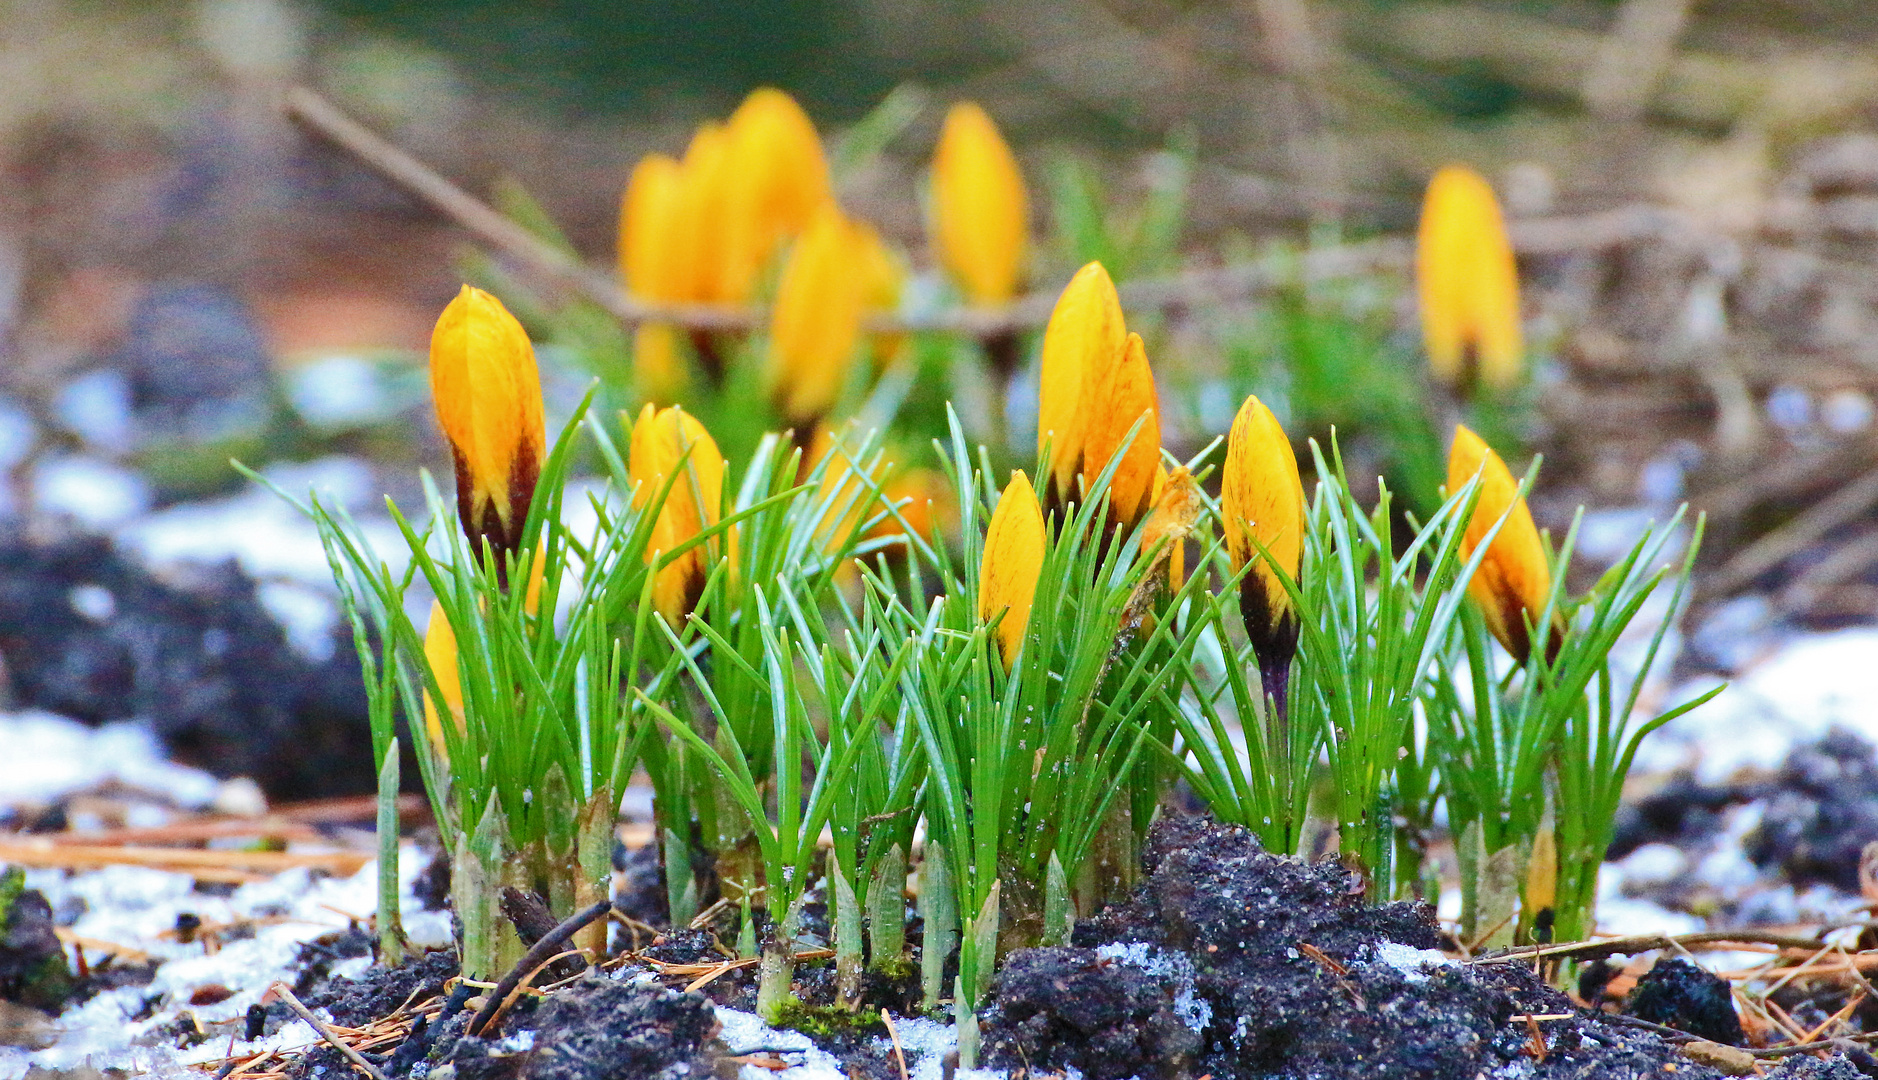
[{"x": 1274, "y": 638}]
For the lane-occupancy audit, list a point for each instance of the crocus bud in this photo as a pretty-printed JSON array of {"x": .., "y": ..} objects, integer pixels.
[
  {"x": 667, "y": 442},
  {"x": 1013, "y": 559},
  {"x": 651, "y": 229},
  {"x": 1262, "y": 505},
  {"x": 655, "y": 252},
  {"x": 1096, "y": 385},
  {"x": 440, "y": 652},
  {"x": 1177, "y": 505},
  {"x": 779, "y": 152},
  {"x": 488, "y": 395},
  {"x": 980, "y": 217},
  {"x": 817, "y": 320},
  {"x": 1514, "y": 578},
  {"x": 1467, "y": 282}
]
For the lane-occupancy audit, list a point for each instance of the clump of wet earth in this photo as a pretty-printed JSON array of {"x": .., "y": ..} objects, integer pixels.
[
  {"x": 1233, "y": 963},
  {"x": 1739, "y": 850},
  {"x": 88, "y": 633}
]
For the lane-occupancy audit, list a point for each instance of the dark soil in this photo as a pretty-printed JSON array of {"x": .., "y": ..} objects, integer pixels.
[
  {"x": 1679, "y": 994},
  {"x": 201, "y": 659},
  {"x": 1275, "y": 968},
  {"x": 597, "y": 1029},
  {"x": 1822, "y": 812},
  {"x": 381, "y": 990},
  {"x": 1819, "y": 811}
]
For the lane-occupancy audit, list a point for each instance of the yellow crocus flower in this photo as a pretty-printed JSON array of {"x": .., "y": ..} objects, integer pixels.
[
  {"x": 654, "y": 262},
  {"x": 1262, "y": 503},
  {"x": 778, "y": 149},
  {"x": 661, "y": 439},
  {"x": 1013, "y": 560},
  {"x": 650, "y": 229},
  {"x": 980, "y": 217},
  {"x": 488, "y": 396},
  {"x": 1514, "y": 579},
  {"x": 1467, "y": 282},
  {"x": 1096, "y": 385},
  {"x": 816, "y": 323},
  {"x": 883, "y": 277}
]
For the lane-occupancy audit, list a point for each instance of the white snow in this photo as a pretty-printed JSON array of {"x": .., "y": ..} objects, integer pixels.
[
  {"x": 67, "y": 756},
  {"x": 342, "y": 392},
  {"x": 743, "y": 1033},
  {"x": 1193, "y": 1010},
  {"x": 266, "y": 535},
  {"x": 1808, "y": 685},
  {"x": 135, "y": 906},
  {"x": 93, "y": 493},
  {"x": 1413, "y": 963}
]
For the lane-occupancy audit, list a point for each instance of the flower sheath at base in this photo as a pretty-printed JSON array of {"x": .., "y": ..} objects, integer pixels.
[
  {"x": 1013, "y": 559},
  {"x": 1514, "y": 579},
  {"x": 1096, "y": 385},
  {"x": 664, "y": 442},
  {"x": 1262, "y": 505},
  {"x": 488, "y": 397},
  {"x": 1467, "y": 283}
]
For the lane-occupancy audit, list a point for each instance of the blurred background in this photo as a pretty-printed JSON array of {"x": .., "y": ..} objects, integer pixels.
[{"x": 186, "y": 275}]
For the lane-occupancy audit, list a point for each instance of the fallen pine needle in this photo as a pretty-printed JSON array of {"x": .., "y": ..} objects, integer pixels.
[
  {"x": 185, "y": 860},
  {"x": 899, "y": 1055}
]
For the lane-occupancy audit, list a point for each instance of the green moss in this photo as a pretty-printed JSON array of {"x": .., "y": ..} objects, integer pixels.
[
  {"x": 45, "y": 983},
  {"x": 898, "y": 970},
  {"x": 12, "y": 884},
  {"x": 821, "y": 1021}
]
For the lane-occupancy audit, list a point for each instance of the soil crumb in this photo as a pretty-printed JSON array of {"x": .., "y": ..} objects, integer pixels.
[
  {"x": 1822, "y": 812},
  {"x": 381, "y": 990},
  {"x": 597, "y": 1029},
  {"x": 1681, "y": 995},
  {"x": 1234, "y": 963}
]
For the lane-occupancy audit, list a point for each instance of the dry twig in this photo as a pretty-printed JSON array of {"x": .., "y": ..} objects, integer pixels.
[{"x": 285, "y": 994}]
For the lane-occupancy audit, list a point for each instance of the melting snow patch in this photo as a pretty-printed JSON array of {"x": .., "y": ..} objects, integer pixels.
[
  {"x": 1413, "y": 963},
  {"x": 1174, "y": 967},
  {"x": 136, "y": 906},
  {"x": 743, "y": 1033},
  {"x": 61, "y": 756}
]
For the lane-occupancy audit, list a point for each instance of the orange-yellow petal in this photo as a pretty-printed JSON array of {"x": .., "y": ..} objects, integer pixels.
[
  {"x": 980, "y": 211},
  {"x": 1124, "y": 396},
  {"x": 1261, "y": 494},
  {"x": 1013, "y": 559},
  {"x": 652, "y": 237},
  {"x": 1086, "y": 335},
  {"x": 817, "y": 320},
  {"x": 1467, "y": 282},
  {"x": 779, "y": 150},
  {"x": 1514, "y": 578},
  {"x": 440, "y": 652},
  {"x": 660, "y": 442},
  {"x": 488, "y": 396}
]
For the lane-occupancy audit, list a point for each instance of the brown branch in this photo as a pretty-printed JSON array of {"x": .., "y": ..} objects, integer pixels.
[
  {"x": 1580, "y": 950},
  {"x": 281, "y": 990},
  {"x": 536, "y": 958},
  {"x": 1236, "y": 283}
]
